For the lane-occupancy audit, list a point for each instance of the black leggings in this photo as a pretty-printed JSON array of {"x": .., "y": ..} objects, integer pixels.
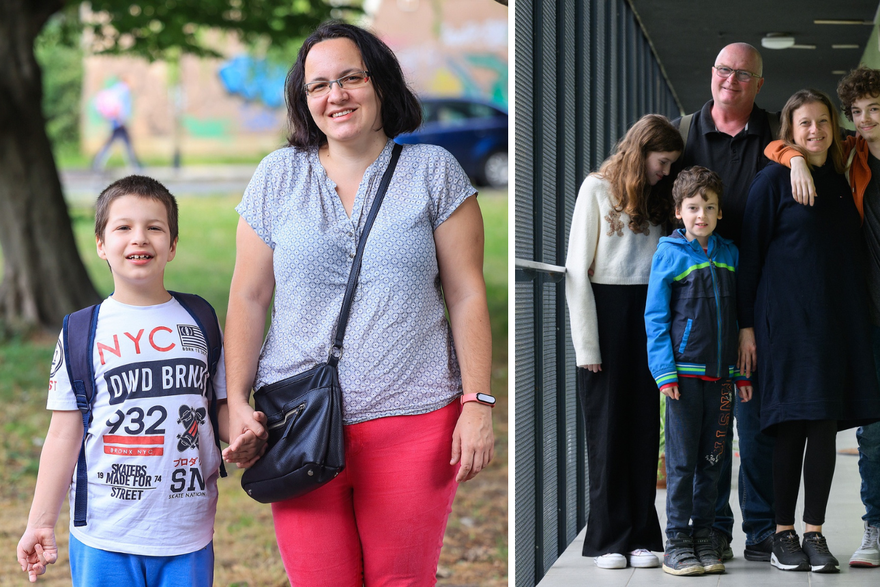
[{"x": 820, "y": 438}]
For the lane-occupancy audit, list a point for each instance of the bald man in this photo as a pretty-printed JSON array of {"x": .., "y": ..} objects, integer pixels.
[{"x": 728, "y": 136}]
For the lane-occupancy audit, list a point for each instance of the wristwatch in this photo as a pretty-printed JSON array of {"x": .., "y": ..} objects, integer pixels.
[{"x": 480, "y": 398}]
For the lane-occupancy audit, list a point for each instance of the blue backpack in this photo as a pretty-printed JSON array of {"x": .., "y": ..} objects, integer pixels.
[{"x": 78, "y": 335}]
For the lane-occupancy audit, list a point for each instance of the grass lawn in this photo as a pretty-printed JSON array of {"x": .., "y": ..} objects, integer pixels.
[{"x": 475, "y": 545}]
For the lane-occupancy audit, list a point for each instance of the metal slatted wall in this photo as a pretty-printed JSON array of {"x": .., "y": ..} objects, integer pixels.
[{"x": 584, "y": 74}]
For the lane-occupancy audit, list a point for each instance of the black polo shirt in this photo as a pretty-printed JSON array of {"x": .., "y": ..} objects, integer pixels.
[{"x": 736, "y": 159}]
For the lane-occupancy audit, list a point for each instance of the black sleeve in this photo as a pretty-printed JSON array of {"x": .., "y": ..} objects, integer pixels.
[{"x": 757, "y": 231}]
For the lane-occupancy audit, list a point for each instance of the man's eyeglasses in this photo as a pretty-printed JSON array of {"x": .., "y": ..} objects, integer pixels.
[
  {"x": 741, "y": 74},
  {"x": 353, "y": 80}
]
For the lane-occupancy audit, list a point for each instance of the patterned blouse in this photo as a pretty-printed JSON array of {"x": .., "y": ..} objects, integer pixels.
[{"x": 398, "y": 357}]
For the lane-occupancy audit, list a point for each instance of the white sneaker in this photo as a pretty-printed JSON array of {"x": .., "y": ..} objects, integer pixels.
[
  {"x": 610, "y": 560},
  {"x": 868, "y": 554},
  {"x": 642, "y": 558}
]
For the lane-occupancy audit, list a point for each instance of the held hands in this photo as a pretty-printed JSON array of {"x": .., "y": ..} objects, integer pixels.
[
  {"x": 247, "y": 435},
  {"x": 745, "y": 393},
  {"x": 473, "y": 441},
  {"x": 748, "y": 357},
  {"x": 36, "y": 550},
  {"x": 802, "y": 188}
]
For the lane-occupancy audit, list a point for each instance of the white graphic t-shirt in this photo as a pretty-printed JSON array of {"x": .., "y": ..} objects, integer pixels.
[{"x": 152, "y": 459}]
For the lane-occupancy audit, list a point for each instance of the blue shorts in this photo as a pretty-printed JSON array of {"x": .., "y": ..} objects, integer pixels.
[{"x": 93, "y": 567}]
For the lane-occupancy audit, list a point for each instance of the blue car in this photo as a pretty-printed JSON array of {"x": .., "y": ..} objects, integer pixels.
[{"x": 473, "y": 130}]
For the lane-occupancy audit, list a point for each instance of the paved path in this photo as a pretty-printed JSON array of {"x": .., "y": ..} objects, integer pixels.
[
  {"x": 843, "y": 528},
  {"x": 83, "y": 184}
]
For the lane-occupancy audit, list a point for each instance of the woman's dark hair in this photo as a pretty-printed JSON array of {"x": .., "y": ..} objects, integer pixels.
[
  {"x": 625, "y": 171},
  {"x": 401, "y": 111},
  {"x": 786, "y": 130}
]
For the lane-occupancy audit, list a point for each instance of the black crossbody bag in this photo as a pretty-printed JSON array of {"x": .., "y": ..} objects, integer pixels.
[{"x": 304, "y": 411}]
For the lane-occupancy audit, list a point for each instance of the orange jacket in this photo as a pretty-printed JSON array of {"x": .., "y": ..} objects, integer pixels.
[{"x": 859, "y": 171}]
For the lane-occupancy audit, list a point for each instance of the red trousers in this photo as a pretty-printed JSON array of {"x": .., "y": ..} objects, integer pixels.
[{"x": 381, "y": 521}]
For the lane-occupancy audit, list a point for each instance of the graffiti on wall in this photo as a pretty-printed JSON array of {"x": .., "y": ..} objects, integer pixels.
[
  {"x": 468, "y": 59},
  {"x": 254, "y": 80}
]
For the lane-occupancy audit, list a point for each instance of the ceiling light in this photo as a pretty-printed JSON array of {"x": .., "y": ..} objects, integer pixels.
[
  {"x": 838, "y": 72},
  {"x": 777, "y": 41},
  {"x": 844, "y": 46},
  {"x": 842, "y": 21}
]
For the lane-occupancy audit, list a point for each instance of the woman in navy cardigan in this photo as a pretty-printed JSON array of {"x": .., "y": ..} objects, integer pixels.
[{"x": 803, "y": 304}]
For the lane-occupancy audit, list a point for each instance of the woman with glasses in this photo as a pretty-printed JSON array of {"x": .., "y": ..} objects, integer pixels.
[
  {"x": 619, "y": 216},
  {"x": 802, "y": 307},
  {"x": 416, "y": 403}
]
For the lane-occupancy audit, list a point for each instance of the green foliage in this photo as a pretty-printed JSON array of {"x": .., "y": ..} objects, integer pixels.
[
  {"x": 161, "y": 29},
  {"x": 60, "y": 56},
  {"x": 662, "y": 425}
]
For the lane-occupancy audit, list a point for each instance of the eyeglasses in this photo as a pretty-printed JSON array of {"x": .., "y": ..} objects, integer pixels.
[
  {"x": 355, "y": 79},
  {"x": 741, "y": 74}
]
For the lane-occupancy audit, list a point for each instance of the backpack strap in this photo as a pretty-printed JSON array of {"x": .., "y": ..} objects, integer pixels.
[
  {"x": 849, "y": 162},
  {"x": 206, "y": 319},
  {"x": 684, "y": 127},
  {"x": 773, "y": 123},
  {"x": 78, "y": 336}
]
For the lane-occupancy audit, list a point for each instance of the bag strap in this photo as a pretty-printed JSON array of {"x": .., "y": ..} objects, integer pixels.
[
  {"x": 78, "y": 338},
  {"x": 342, "y": 323},
  {"x": 849, "y": 162},
  {"x": 773, "y": 123},
  {"x": 684, "y": 127},
  {"x": 206, "y": 319}
]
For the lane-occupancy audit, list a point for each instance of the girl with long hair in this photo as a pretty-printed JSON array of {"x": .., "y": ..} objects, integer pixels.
[{"x": 619, "y": 217}]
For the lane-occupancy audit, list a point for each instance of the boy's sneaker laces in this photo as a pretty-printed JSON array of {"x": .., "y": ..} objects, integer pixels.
[
  {"x": 868, "y": 554},
  {"x": 871, "y": 537}
]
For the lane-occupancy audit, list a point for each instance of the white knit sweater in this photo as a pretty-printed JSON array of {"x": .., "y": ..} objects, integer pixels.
[{"x": 601, "y": 240}]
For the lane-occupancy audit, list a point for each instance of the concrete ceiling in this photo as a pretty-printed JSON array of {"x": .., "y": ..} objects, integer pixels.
[{"x": 688, "y": 34}]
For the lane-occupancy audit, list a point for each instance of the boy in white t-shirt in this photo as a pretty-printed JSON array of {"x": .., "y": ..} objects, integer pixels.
[{"x": 152, "y": 460}]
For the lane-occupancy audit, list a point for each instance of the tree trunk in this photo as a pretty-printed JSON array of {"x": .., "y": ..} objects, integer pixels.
[{"x": 43, "y": 275}]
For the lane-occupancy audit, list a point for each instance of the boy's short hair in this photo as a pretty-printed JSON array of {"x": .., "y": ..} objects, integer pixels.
[
  {"x": 694, "y": 181},
  {"x": 135, "y": 185},
  {"x": 859, "y": 82}
]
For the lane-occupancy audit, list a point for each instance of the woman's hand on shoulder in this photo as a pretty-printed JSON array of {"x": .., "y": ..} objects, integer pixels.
[
  {"x": 594, "y": 367},
  {"x": 803, "y": 190},
  {"x": 473, "y": 441}
]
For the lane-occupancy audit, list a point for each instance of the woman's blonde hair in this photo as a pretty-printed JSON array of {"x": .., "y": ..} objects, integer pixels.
[
  {"x": 786, "y": 130},
  {"x": 625, "y": 170}
]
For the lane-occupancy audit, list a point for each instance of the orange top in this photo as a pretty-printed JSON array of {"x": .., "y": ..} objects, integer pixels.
[{"x": 859, "y": 171}]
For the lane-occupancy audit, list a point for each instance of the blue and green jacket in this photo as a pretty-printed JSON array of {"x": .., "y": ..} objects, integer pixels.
[{"x": 690, "y": 314}]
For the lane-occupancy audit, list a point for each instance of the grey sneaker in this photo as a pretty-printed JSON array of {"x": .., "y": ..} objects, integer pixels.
[
  {"x": 722, "y": 545},
  {"x": 679, "y": 558},
  {"x": 787, "y": 552},
  {"x": 868, "y": 554},
  {"x": 816, "y": 549},
  {"x": 708, "y": 554}
]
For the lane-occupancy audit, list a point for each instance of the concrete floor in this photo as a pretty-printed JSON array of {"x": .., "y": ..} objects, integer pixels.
[{"x": 843, "y": 529}]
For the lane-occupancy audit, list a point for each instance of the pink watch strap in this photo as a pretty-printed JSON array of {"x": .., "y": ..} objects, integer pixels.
[{"x": 472, "y": 397}]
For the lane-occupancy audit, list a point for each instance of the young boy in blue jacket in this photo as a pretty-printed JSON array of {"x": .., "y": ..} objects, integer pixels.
[{"x": 690, "y": 318}]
